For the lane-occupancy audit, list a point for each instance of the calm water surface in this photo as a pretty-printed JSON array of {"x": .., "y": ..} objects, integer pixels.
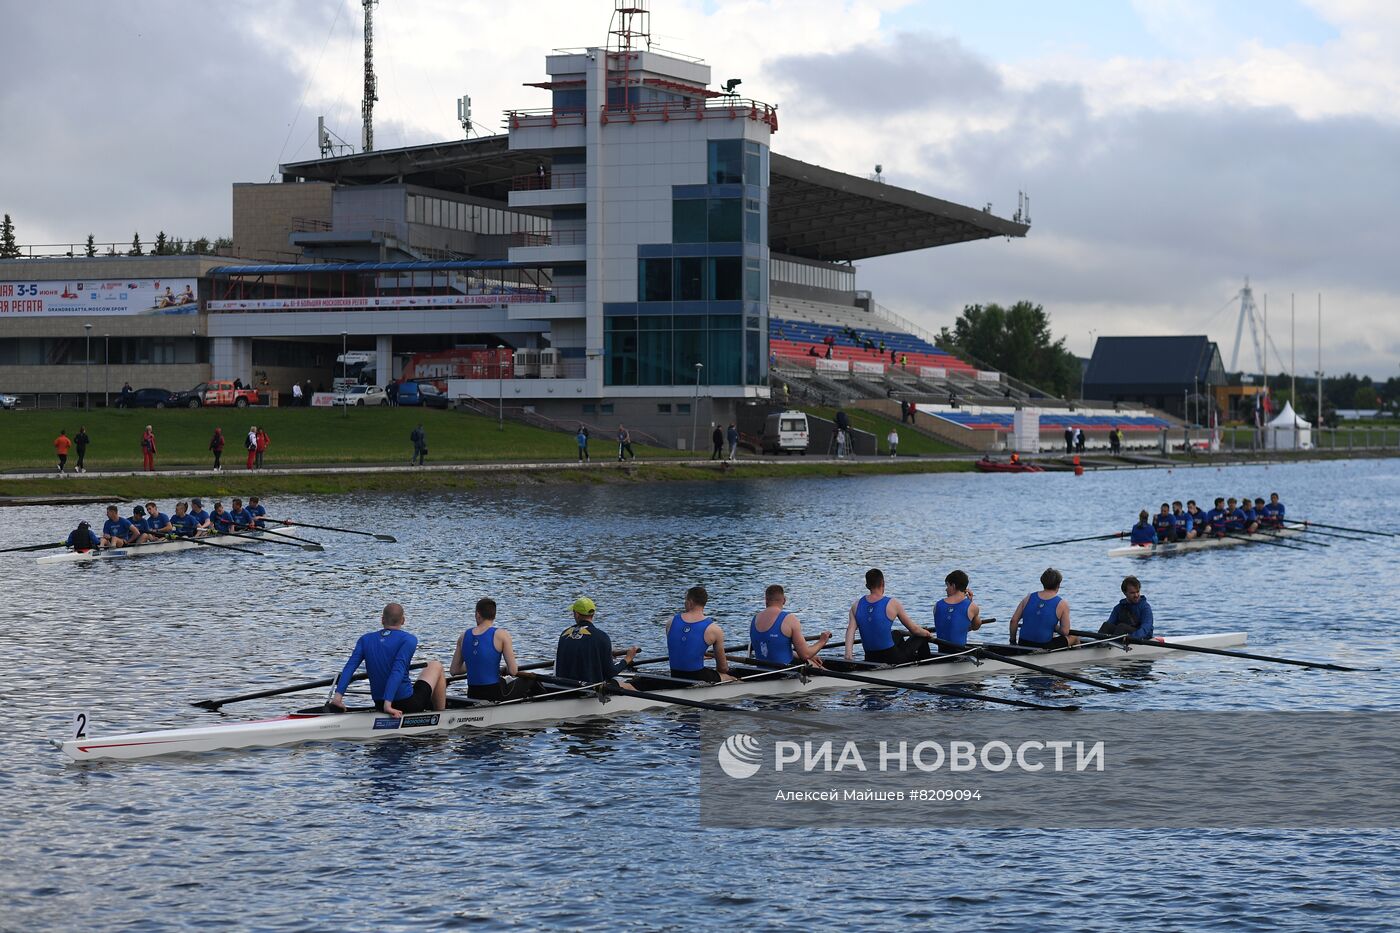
[{"x": 595, "y": 825}]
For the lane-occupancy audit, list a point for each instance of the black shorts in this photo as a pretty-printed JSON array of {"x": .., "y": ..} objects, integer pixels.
[
  {"x": 706, "y": 674},
  {"x": 1057, "y": 642},
  {"x": 420, "y": 701},
  {"x": 501, "y": 690},
  {"x": 902, "y": 651}
]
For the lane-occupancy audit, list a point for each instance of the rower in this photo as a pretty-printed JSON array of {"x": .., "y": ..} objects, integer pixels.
[
  {"x": 1164, "y": 524},
  {"x": 219, "y": 519},
  {"x": 1143, "y": 534},
  {"x": 1042, "y": 619},
  {"x": 1261, "y": 513},
  {"x": 1217, "y": 519},
  {"x": 157, "y": 522},
  {"x": 118, "y": 531},
  {"x": 480, "y": 651},
  {"x": 872, "y": 615},
  {"x": 585, "y": 651},
  {"x": 775, "y": 635},
  {"x": 1251, "y": 520},
  {"x": 689, "y": 634},
  {"x": 1274, "y": 511},
  {"x": 82, "y": 539},
  {"x": 241, "y": 518},
  {"x": 183, "y": 522},
  {"x": 1183, "y": 527},
  {"x": 200, "y": 515},
  {"x": 1197, "y": 520},
  {"x": 138, "y": 521},
  {"x": 256, "y": 509},
  {"x": 955, "y": 614},
  {"x": 1234, "y": 518},
  {"x": 386, "y": 655},
  {"x": 1132, "y": 616}
]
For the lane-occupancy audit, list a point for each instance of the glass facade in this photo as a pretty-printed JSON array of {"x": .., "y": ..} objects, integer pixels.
[
  {"x": 835, "y": 278},
  {"x": 473, "y": 218}
]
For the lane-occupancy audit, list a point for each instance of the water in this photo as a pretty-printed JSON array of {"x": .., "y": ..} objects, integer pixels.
[{"x": 594, "y": 825}]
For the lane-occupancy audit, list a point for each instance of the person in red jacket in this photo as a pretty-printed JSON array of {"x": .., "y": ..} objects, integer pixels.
[
  {"x": 216, "y": 446},
  {"x": 61, "y": 444},
  {"x": 148, "y": 450},
  {"x": 262, "y": 441},
  {"x": 250, "y": 444}
]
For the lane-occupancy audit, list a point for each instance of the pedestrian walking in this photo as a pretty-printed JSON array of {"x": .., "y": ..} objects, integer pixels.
[
  {"x": 250, "y": 444},
  {"x": 148, "y": 450},
  {"x": 624, "y": 443},
  {"x": 732, "y": 436},
  {"x": 893, "y": 440},
  {"x": 60, "y": 446},
  {"x": 216, "y": 447},
  {"x": 80, "y": 444},
  {"x": 261, "y": 441},
  {"x": 582, "y": 438},
  {"x": 420, "y": 445},
  {"x": 717, "y": 441}
]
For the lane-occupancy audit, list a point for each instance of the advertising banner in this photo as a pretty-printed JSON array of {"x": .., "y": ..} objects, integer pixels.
[
  {"x": 368, "y": 303},
  {"x": 101, "y": 297}
]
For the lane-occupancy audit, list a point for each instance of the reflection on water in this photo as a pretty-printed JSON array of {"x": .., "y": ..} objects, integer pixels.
[{"x": 550, "y": 826}]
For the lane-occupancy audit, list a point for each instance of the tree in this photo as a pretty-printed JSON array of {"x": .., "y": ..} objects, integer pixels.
[
  {"x": 200, "y": 247},
  {"x": 9, "y": 249},
  {"x": 136, "y": 245},
  {"x": 91, "y": 249},
  {"x": 162, "y": 244},
  {"x": 1365, "y": 397},
  {"x": 1016, "y": 341}
]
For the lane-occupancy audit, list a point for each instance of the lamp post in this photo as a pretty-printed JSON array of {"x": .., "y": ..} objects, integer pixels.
[
  {"x": 500, "y": 390},
  {"x": 344, "y": 372},
  {"x": 87, "y": 367},
  {"x": 695, "y": 405},
  {"x": 1085, "y": 370},
  {"x": 106, "y": 370}
]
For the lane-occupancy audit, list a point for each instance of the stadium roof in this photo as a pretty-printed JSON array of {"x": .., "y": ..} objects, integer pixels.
[
  {"x": 1128, "y": 365},
  {"x": 813, "y": 212}
]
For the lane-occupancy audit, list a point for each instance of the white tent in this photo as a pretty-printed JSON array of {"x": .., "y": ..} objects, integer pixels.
[{"x": 1288, "y": 431}]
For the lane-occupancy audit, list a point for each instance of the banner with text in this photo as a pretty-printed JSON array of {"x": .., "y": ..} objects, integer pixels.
[
  {"x": 101, "y": 297},
  {"x": 370, "y": 302}
]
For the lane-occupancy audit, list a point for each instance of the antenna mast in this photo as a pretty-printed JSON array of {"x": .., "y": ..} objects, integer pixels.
[
  {"x": 371, "y": 82},
  {"x": 1248, "y": 311},
  {"x": 629, "y": 30}
]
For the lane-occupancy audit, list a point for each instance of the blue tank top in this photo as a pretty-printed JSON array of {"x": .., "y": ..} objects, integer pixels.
[
  {"x": 873, "y": 621},
  {"x": 771, "y": 645},
  {"x": 950, "y": 621},
  {"x": 685, "y": 642},
  {"x": 1038, "y": 621},
  {"x": 482, "y": 659}
]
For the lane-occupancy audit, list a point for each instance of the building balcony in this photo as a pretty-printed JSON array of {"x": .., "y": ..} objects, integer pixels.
[{"x": 552, "y": 189}]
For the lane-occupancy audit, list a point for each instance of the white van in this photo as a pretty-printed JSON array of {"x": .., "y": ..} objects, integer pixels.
[{"x": 785, "y": 433}]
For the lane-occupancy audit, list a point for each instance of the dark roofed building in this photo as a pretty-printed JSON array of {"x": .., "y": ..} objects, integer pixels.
[{"x": 1161, "y": 372}]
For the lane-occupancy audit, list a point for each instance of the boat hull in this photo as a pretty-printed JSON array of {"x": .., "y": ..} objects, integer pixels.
[
  {"x": 1203, "y": 544},
  {"x": 142, "y": 550}
]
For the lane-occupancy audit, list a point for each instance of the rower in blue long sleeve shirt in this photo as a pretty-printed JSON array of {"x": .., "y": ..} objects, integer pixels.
[
  {"x": 1132, "y": 616},
  {"x": 386, "y": 655},
  {"x": 1142, "y": 534}
]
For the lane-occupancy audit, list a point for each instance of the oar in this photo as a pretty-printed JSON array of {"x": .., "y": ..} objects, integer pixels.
[
  {"x": 207, "y": 543},
  {"x": 1360, "y": 531},
  {"x": 282, "y": 534},
  {"x": 349, "y": 531},
  {"x": 1314, "y": 531},
  {"x": 1116, "y": 534},
  {"x": 1016, "y": 661},
  {"x": 1272, "y": 533},
  {"x": 610, "y": 687},
  {"x": 922, "y": 688},
  {"x": 279, "y": 691},
  {"x": 1248, "y": 656},
  {"x": 33, "y": 547},
  {"x": 313, "y": 546},
  {"x": 1257, "y": 540}
]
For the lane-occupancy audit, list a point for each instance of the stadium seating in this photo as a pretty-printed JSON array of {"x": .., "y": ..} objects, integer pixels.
[
  {"x": 994, "y": 419},
  {"x": 797, "y": 327}
]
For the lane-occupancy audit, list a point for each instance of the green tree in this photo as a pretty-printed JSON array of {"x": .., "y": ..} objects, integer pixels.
[
  {"x": 162, "y": 244},
  {"x": 136, "y": 249},
  {"x": 9, "y": 249},
  {"x": 91, "y": 249},
  {"x": 1016, "y": 341},
  {"x": 1365, "y": 397},
  {"x": 200, "y": 247}
]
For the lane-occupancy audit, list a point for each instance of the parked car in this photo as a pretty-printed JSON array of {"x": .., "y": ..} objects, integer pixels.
[
  {"x": 9, "y": 401},
  {"x": 362, "y": 396},
  {"x": 421, "y": 393},
  {"x": 145, "y": 398},
  {"x": 215, "y": 392}
]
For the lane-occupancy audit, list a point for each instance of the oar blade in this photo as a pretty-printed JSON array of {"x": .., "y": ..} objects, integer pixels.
[{"x": 387, "y": 538}]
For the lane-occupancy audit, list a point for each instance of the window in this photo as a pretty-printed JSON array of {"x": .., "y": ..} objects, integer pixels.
[
  {"x": 726, "y": 220},
  {"x": 572, "y": 100},
  {"x": 589, "y": 408},
  {"x": 654, "y": 280},
  {"x": 607, "y": 408},
  {"x": 683, "y": 408},
  {"x": 726, "y": 162},
  {"x": 663, "y": 408},
  {"x": 727, "y": 279},
  {"x": 752, "y": 221},
  {"x": 753, "y": 163},
  {"x": 753, "y": 280},
  {"x": 689, "y": 279},
  {"x": 688, "y": 221}
]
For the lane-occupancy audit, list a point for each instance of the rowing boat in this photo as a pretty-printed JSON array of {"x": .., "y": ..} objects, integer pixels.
[
  {"x": 367, "y": 724},
  {"x": 138, "y": 550},
  {"x": 1202, "y": 544}
]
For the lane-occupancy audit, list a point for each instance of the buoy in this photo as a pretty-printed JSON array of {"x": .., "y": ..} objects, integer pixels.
[{"x": 1078, "y": 470}]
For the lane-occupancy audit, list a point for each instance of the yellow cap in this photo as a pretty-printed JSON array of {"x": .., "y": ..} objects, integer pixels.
[{"x": 583, "y": 606}]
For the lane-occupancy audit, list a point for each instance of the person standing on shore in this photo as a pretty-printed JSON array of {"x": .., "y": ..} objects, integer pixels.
[
  {"x": 1069, "y": 440},
  {"x": 148, "y": 450},
  {"x": 624, "y": 443},
  {"x": 60, "y": 446},
  {"x": 250, "y": 444},
  {"x": 582, "y": 438},
  {"x": 296, "y": 395},
  {"x": 717, "y": 442},
  {"x": 420, "y": 446},
  {"x": 893, "y": 440},
  {"x": 216, "y": 446},
  {"x": 732, "y": 436},
  {"x": 261, "y": 447},
  {"x": 80, "y": 444}
]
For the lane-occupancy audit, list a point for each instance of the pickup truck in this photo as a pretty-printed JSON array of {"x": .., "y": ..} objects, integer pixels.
[{"x": 216, "y": 392}]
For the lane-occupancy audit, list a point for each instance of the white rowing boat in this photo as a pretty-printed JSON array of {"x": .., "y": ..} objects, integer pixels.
[
  {"x": 466, "y": 714},
  {"x": 144, "y": 550},
  {"x": 1202, "y": 544}
]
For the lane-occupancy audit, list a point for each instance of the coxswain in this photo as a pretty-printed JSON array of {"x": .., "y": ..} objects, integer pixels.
[
  {"x": 1199, "y": 526},
  {"x": 1274, "y": 511},
  {"x": 200, "y": 515},
  {"x": 1217, "y": 519},
  {"x": 241, "y": 518},
  {"x": 256, "y": 509},
  {"x": 83, "y": 539},
  {"x": 585, "y": 651},
  {"x": 157, "y": 522},
  {"x": 1132, "y": 616},
  {"x": 386, "y": 655},
  {"x": 183, "y": 522},
  {"x": 1182, "y": 525},
  {"x": 1164, "y": 524},
  {"x": 1042, "y": 619},
  {"x": 690, "y": 634},
  {"x": 480, "y": 652},
  {"x": 118, "y": 531},
  {"x": 1143, "y": 534},
  {"x": 955, "y": 614},
  {"x": 872, "y": 615},
  {"x": 775, "y": 635}
]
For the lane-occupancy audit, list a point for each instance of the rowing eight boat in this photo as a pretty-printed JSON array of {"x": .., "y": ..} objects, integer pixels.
[
  {"x": 1201, "y": 544},
  {"x": 547, "y": 708},
  {"x": 140, "y": 550}
]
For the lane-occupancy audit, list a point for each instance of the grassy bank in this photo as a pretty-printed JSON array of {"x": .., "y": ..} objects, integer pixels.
[
  {"x": 299, "y": 436},
  {"x": 911, "y": 442},
  {"x": 265, "y": 484}
]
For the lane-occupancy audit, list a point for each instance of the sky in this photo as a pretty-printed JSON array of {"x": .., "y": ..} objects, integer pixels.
[{"x": 1170, "y": 148}]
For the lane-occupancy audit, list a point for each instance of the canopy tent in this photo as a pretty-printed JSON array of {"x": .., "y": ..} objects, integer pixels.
[{"x": 1288, "y": 431}]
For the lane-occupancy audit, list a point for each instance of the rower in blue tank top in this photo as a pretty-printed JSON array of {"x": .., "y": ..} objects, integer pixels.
[
  {"x": 775, "y": 635},
  {"x": 955, "y": 614},
  {"x": 1042, "y": 619},
  {"x": 481, "y": 650},
  {"x": 872, "y": 615},
  {"x": 691, "y": 633}
]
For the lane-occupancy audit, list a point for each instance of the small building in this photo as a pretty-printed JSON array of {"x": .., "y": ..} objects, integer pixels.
[{"x": 1171, "y": 374}]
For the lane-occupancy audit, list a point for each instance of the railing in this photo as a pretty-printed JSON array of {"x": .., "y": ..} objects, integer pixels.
[
  {"x": 104, "y": 250},
  {"x": 518, "y": 119},
  {"x": 549, "y": 181},
  {"x": 555, "y": 238},
  {"x": 310, "y": 225},
  {"x": 732, "y": 107}
]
